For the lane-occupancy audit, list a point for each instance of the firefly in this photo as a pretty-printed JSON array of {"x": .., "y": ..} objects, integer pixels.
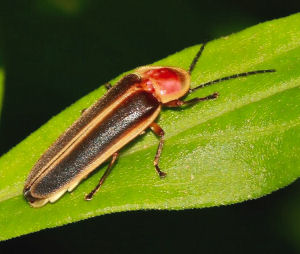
[{"x": 121, "y": 115}]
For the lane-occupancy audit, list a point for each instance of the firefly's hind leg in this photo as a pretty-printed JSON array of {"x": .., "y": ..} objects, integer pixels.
[
  {"x": 179, "y": 103},
  {"x": 105, "y": 175},
  {"x": 159, "y": 132}
]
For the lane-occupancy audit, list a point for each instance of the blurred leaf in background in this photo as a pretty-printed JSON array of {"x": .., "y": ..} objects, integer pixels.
[
  {"x": 286, "y": 217},
  {"x": 62, "y": 7}
]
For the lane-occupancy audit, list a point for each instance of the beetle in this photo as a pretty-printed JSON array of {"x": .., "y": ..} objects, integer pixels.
[{"x": 122, "y": 114}]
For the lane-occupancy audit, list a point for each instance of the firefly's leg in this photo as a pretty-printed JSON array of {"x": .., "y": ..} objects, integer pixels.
[
  {"x": 108, "y": 86},
  {"x": 105, "y": 175},
  {"x": 159, "y": 132},
  {"x": 178, "y": 103}
]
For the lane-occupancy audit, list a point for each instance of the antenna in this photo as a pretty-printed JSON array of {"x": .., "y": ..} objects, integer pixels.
[
  {"x": 196, "y": 58},
  {"x": 243, "y": 74}
]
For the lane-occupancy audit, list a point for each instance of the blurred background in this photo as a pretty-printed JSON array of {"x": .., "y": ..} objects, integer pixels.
[{"x": 56, "y": 51}]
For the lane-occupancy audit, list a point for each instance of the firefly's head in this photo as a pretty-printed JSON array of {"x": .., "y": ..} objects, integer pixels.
[{"x": 166, "y": 83}]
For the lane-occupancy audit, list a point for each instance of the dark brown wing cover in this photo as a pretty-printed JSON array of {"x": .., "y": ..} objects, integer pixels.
[
  {"x": 134, "y": 110},
  {"x": 112, "y": 95},
  {"x": 137, "y": 107}
]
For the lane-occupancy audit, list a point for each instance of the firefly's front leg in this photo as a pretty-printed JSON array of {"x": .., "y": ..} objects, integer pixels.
[
  {"x": 178, "y": 103},
  {"x": 159, "y": 132},
  {"x": 105, "y": 175}
]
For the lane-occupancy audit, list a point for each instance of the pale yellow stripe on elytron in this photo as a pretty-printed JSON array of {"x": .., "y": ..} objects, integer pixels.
[{"x": 68, "y": 148}]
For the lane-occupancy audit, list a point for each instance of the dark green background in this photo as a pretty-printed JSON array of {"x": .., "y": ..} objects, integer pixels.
[{"x": 56, "y": 51}]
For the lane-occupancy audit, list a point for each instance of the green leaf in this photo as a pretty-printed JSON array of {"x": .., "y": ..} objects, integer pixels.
[
  {"x": 1, "y": 87},
  {"x": 241, "y": 146}
]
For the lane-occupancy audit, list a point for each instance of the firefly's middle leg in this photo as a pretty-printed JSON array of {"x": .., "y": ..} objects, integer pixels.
[{"x": 159, "y": 132}]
